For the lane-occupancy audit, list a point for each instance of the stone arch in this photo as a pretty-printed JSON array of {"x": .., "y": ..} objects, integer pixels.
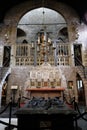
[
  {"x": 80, "y": 89},
  {"x": 23, "y": 8},
  {"x": 13, "y": 15}
]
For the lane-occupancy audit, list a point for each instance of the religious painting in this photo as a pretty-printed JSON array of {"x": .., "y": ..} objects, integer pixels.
[
  {"x": 38, "y": 84},
  {"x": 58, "y": 82},
  {"x": 32, "y": 83},
  {"x": 70, "y": 84},
  {"x": 45, "y": 84},
  {"x": 52, "y": 84}
]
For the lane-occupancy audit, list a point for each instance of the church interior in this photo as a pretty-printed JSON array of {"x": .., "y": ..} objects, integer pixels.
[{"x": 43, "y": 51}]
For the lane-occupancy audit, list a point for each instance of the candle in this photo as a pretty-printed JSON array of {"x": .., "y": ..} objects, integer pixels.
[
  {"x": 32, "y": 44},
  {"x": 38, "y": 39}
]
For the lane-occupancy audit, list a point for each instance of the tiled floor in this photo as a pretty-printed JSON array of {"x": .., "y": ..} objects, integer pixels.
[
  {"x": 13, "y": 121},
  {"x": 82, "y": 124}
]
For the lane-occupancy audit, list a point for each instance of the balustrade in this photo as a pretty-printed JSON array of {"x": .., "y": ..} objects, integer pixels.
[{"x": 26, "y": 55}]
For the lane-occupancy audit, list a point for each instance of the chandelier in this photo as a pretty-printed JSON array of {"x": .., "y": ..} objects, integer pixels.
[{"x": 44, "y": 41}]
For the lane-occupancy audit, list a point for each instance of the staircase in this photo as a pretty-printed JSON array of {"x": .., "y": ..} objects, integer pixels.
[
  {"x": 83, "y": 74},
  {"x": 4, "y": 72},
  {"x": 82, "y": 71}
]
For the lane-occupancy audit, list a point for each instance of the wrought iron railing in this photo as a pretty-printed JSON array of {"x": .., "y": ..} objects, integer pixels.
[
  {"x": 9, "y": 125},
  {"x": 3, "y": 71},
  {"x": 81, "y": 67}
]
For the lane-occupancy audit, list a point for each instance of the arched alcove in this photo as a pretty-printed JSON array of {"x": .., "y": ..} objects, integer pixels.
[
  {"x": 80, "y": 89},
  {"x": 48, "y": 20},
  {"x": 71, "y": 16}
]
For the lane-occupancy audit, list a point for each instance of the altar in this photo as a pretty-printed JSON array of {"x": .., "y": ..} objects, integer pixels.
[
  {"x": 45, "y": 81},
  {"x": 45, "y": 92}
]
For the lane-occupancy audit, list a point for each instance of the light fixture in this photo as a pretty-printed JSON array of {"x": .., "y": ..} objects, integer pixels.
[{"x": 44, "y": 41}]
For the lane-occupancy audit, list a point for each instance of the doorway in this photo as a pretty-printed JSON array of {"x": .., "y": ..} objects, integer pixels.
[
  {"x": 6, "y": 57},
  {"x": 80, "y": 89},
  {"x": 77, "y": 54}
]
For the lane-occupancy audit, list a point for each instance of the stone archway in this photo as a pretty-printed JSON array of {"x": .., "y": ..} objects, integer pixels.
[
  {"x": 13, "y": 16},
  {"x": 80, "y": 90}
]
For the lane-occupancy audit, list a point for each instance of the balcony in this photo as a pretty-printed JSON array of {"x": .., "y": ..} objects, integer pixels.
[{"x": 26, "y": 54}]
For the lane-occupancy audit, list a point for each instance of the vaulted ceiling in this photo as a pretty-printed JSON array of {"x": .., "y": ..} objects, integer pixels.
[{"x": 79, "y": 5}]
